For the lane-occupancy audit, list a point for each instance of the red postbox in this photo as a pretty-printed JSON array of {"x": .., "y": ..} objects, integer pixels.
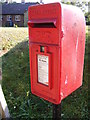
[{"x": 56, "y": 46}]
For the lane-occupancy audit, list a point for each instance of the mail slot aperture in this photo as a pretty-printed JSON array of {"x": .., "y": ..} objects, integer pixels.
[{"x": 43, "y": 23}]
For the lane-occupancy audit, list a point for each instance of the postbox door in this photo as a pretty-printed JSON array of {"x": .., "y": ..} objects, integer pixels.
[{"x": 45, "y": 71}]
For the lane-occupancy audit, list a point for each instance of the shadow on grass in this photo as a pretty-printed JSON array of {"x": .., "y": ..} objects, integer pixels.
[
  {"x": 22, "y": 104},
  {"x": 16, "y": 85}
]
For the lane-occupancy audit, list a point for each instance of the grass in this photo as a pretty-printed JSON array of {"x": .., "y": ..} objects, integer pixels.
[
  {"x": 12, "y": 36},
  {"x": 16, "y": 75}
]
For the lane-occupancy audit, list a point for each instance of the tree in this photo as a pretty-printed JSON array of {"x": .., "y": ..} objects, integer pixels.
[
  {"x": 2, "y": 1},
  {"x": 82, "y": 5}
]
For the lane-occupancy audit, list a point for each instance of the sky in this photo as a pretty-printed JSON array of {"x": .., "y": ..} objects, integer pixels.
[{"x": 47, "y": 1}]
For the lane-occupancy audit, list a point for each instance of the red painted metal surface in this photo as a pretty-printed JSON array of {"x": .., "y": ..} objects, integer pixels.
[{"x": 60, "y": 31}]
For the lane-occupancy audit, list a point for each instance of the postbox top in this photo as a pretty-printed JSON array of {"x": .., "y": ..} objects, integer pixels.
[
  {"x": 46, "y": 22},
  {"x": 44, "y": 11}
]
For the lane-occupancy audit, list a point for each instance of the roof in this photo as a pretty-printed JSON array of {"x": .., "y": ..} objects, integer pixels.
[{"x": 16, "y": 8}]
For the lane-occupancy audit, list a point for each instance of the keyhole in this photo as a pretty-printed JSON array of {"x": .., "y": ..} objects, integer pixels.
[{"x": 41, "y": 48}]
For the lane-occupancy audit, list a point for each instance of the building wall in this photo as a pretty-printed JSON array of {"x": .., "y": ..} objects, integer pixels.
[
  {"x": 26, "y": 18},
  {"x": 0, "y": 21},
  {"x": 5, "y": 23}
]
